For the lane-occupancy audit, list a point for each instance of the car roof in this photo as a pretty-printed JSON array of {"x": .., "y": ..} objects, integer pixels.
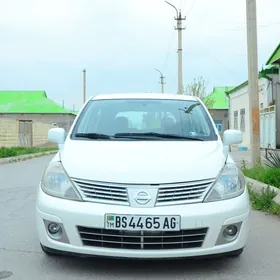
[{"x": 144, "y": 96}]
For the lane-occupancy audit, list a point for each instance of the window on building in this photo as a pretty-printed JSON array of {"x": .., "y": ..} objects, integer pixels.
[
  {"x": 235, "y": 125},
  {"x": 219, "y": 125},
  {"x": 242, "y": 120}
]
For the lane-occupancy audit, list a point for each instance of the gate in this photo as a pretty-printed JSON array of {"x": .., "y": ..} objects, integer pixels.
[
  {"x": 268, "y": 127},
  {"x": 25, "y": 134}
]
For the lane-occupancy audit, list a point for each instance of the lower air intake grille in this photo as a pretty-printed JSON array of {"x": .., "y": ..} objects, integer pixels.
[{"x": 142, "y": 240}]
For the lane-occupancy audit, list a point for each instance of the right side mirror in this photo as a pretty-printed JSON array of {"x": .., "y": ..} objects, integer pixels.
[
  {"x": 57, "y": 135},
  {"x": 232, "y": 137}
]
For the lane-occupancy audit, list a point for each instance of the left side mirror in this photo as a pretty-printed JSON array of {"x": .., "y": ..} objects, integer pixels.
[
  {"x": 57, "y": 135},
  {"x": 232, "y": 137}
]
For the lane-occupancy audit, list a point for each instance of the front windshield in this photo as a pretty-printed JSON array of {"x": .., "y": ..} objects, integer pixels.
[{"x": 186, "y": 118}]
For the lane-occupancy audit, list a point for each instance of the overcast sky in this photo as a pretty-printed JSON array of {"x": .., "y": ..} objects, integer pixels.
[{"x": 45, "y": 44}]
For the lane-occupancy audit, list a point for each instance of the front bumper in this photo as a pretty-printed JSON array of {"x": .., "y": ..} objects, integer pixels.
[{"x": 212, "y": 215}]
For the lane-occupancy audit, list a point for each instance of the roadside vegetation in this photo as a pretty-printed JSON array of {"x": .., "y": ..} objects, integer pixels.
[
  {"x": 264, "y": 201},
  {"x": 19, "y": 151},
  {"x": 270, "y": 176},
  {"x": 267, "y": 172}
]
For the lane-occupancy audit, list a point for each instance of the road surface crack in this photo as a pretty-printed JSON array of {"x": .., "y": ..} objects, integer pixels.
[
  {"x": 20, "y": 251},
  {"x": 16, "y": 188}
]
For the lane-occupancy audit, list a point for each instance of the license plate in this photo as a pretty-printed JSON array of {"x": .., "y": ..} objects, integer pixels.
[{"x": 147, "y": 223}]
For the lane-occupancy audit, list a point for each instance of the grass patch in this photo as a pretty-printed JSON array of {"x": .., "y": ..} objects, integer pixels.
[
  {"x": 19, "y": 151},
  {"x": 267, "y": 175},
  {"x": 264, "y": 201}
]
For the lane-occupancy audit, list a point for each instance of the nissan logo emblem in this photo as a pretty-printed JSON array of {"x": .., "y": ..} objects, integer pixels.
[{"x": 142, "y": 197}]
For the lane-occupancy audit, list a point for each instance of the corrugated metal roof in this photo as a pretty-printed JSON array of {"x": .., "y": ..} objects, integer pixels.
[
  {"x": 269, "y": 70},
  {"x": 221, "y": 100},
  {"x": 29, "y": 102},
  {"x": 275, "y": 57}
]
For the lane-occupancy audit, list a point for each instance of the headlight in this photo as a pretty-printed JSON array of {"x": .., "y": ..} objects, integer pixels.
[
  {"x": 55, "y": 182},
  {"x": 229, "y": 184}
]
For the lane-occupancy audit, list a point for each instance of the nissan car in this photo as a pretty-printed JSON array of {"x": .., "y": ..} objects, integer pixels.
[{"x": 143, "y": 176}]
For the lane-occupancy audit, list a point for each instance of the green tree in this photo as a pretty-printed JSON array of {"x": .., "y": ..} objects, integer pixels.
[{"x": 198, "y": 88}]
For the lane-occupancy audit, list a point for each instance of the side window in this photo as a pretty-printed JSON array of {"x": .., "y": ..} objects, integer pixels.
[
  {"x": 219, "y": 125},
  {"x": 242, "y": 120},
  {"x": 235, "y": 126}
]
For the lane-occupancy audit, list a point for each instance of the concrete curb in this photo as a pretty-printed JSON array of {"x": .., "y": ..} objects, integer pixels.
[
  {"x": 259, "y": 186},
  {"x": 25, "y": 157}
]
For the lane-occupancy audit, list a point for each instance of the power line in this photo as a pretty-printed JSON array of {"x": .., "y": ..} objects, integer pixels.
[
  {"x": 192, "y": 6},
  {"x": 211, "y": 56},
  {"x": 170, "y": 46},
  {"x": 269, "y": 24},
  {"x": 190, "y": 39},
  {"x": 259, "y": 26}
]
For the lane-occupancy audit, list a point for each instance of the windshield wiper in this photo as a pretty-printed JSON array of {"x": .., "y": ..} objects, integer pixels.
[
  {"x": 93, "y": 135},
  {"x": 157, "y": 135}
]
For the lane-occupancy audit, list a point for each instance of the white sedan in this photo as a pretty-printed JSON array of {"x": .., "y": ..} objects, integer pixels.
[{"x": 143, "y": 176}]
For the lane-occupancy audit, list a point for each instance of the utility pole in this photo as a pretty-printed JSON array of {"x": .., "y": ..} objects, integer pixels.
[
  {"x": 161, "y": 81},
  {"x": 253, "y": 73},
  {"x": 84, "y": 99},
  {"x": 179, "y": 27}
]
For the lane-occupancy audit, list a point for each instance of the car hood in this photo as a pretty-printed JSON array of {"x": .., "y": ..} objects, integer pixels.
[{"x": 143, "y": 162}]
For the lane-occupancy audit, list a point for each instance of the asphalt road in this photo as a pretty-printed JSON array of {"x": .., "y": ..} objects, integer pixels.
[{"x": 21, "y": 257}]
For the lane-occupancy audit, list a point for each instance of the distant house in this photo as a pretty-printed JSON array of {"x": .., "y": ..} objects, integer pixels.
[
  {"x": 26, "y": 117},
  {"x": 274, "y": 61},
  {"x": 275, "y": 57},
  {"x": 269, "y": 106},
  {"x": 219, "y": 105}
]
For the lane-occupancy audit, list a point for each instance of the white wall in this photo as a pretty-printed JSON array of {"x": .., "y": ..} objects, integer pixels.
[
  {"x": 240, "y": 100},
  {"x": 265, "y": 96},
  {"x": 276, "y": 95}
]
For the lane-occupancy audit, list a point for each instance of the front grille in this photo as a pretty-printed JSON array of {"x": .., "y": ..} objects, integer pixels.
[
  {"x": 102, "y": 192},
  {"x": 168, "y": 194},
  {"x": 142, "y": 240},
  {"x": 183, "y": 193}
]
